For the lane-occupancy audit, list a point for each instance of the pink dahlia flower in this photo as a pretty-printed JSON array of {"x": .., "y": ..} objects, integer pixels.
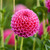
[
  {"x": 48, "y": 29},
  {"x": 8, "y": 32},
  {"x": 48, "y": 5},
  {"x": 25, "y": 23},
  {"x": 19, "y": 7},
  {"x": 40, "y": 32}
]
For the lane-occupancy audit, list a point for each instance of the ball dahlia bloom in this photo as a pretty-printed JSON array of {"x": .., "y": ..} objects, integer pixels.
[
  {"x": 19, "y": 7},
  {"x": 25, "y": 23},
  {"x": 8, "y": 32},
  {"x": 48, "y": 5}
]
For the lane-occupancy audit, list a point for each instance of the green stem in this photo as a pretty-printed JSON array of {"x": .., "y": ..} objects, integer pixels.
[
  {"x": 43, "y": 24},
  {"x": 38, "y": 3},
  {"x": 44, "y": 3},
  {"x": 15, "y": 35},
  {"x": 15, "y": 43},
  {"x": 2, "y": 40},
  {"x": 44, "y": 31},
  {"x": 21, "y": 44},
  {"x": 13, "y": 6},
  {"x": 34, "y": 42}
]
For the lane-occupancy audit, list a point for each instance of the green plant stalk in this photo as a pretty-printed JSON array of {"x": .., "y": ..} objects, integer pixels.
[
  {"x": 38, "y": 4},
  {"x": 44, "y": 2},
  {"x": 34, "y": 45},
  {"x": 14, "y": 6},
  {"x": 34, "y": 42},
  {"x": 15, "y": 43},
  {"x": 2, "y": 17},
  {"x": 44, "y": 31},
  {"x": 44, "y": 23},
  {"x": 21, "y": 43},
  {"x": 2, "y": 40},
  {"x": 15, "y": 35},
  {"x": 46, "y": 14},
  {"x": 43, "y": 26}
]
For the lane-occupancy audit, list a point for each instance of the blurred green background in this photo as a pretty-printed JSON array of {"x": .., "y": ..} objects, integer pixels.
[{"x": 8, "y": 12}]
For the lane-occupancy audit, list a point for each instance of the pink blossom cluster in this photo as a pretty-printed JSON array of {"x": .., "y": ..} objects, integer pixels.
[
  {"x": 40, "y": 32},
  {"x": 25, "y": 23},
  {"x": 48, "y": 5}
]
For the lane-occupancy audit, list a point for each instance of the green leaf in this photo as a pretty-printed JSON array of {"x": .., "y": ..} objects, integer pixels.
[
  {"x": 2, "y": 11},
  {"x": 5, "y": 19},
  {"x": 46, "y": 47},
  {"x": 38, "y": 42},
  {"x": 48, "y": 15},
  {"x": 48, "y": 40},
  {"x": 7, "y": 39},
  {"x": 46, "y": 36},
  {"x": 40, "y": 11},
  {"x": 43, "y": 10}
]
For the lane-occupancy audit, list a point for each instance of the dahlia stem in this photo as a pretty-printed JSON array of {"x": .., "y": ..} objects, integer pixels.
[
  {"x": 15, "y": 35},
  {"x": 34, "y": 42},
  {"x": 44, "y": 3},
  {"x": 38, "y": 3},
  {"x": 44, "y": 30},
  {"x": 15, "y": 43},
  {"x": 1, "y": 8},
  {"x": 43, "y": 24},
  {"x": 21, "y": 43},
  {"x": 13, "y": 6},
  {"x": 2, "y": 40}
]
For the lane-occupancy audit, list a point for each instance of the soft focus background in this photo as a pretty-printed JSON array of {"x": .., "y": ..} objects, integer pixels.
[{"x": 28, "y": 42}]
